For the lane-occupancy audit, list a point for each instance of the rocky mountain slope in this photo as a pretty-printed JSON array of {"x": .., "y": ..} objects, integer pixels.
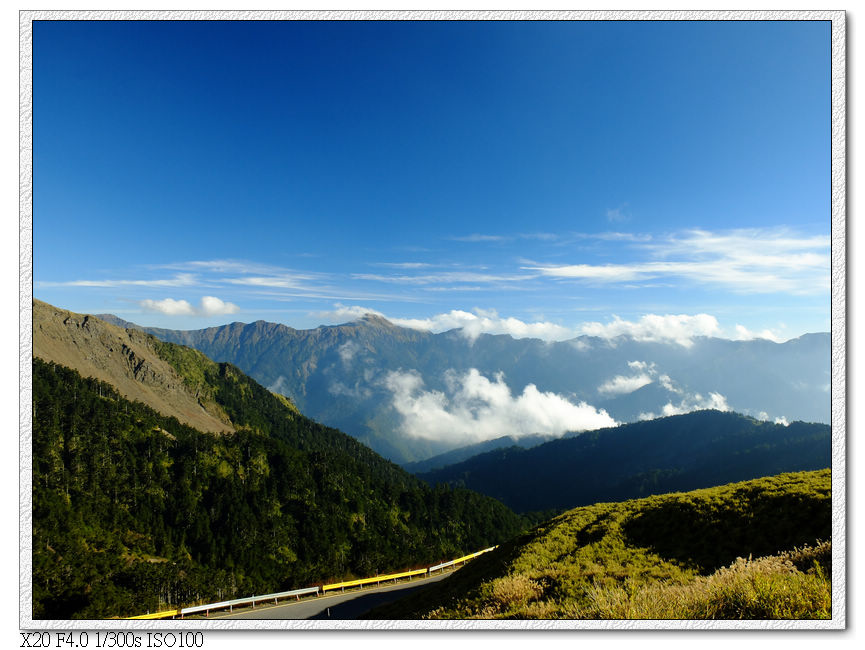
[{"x": 127, "y": 359}]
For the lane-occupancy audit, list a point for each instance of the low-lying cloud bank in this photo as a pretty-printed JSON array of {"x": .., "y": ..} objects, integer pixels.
[
  {"x": 474, "y": 409},
  {"x": 679, "y": 329},
  {"x": 691, "y": 403}
]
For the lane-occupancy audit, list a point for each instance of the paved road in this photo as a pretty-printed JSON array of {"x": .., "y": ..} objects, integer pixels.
[{"x": 344, "y": 606}]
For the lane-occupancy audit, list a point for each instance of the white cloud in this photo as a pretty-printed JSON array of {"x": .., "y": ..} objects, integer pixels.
[
  {"x": 744, "y": 334},
  {"x": 681, "y": 329},
  {"x": 697, "y": 402},
  {"x": 168, "y": 306},
  {"x": 762, "y": 415},
  {"x": 282, "y": 281},
  {"x": 344, "y": 313},
  {"x": 667, "y": 383},
  {"x": 208, "y": 306},
  {"x": 347, "y": 351},
  {"x": 621, "y": 385},
  {"x": 279, "y": 386},
  {"x": 678, "y": 329},
  {"x": 624, "y": 384},
  {"x": 476, "y": 409},
  {"x": 618, "y": 214},
  {"x": 357, "y": 392},
  {"x": 213, "y": 306},
  {"x": 470, "y": 324}
]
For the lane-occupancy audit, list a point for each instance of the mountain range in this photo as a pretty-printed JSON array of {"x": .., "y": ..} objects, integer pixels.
[
  {"x": 162, "y": 477},
  {"x": 412, "y": 394}
]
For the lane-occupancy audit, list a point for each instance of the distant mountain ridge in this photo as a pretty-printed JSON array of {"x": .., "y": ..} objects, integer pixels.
[
  {"x": 469, "y": 451},
  {"x": 678, "y": 453},
  {"x": 338, "y": 374}
]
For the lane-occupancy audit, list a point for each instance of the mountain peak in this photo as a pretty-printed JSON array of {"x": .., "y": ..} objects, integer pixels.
[{"x": 374, "y": 320}]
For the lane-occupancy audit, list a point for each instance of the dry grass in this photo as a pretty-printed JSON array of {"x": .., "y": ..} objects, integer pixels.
[{"x": 765, "y": 588}]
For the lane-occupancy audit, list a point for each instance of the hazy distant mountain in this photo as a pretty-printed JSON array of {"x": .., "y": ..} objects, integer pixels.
[
  {"x": 462, "y": 453},
  {"x": 678, "y": 453},
  {"x": 406, "y": 392}
]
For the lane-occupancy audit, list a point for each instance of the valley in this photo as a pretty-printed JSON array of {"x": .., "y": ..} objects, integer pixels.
[
  {"x": 410, "y": 394},
  {"x": 135, "y": 508}
]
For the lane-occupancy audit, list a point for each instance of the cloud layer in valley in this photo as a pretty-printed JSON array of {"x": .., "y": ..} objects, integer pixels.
[
  {"x": 475, "y": 408},
  {"x": 624, "y": 384}
]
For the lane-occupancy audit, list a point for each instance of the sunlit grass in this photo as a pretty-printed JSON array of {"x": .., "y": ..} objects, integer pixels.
[{"x": 674, "y": 556}]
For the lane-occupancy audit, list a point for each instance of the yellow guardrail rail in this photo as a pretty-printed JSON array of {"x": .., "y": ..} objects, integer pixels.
[
  {"x": 336, "y": 585},
  {"x": 165, "y": 614},
  {"x": 366, "y": 581},
  {"x": 468, "y": 557}
]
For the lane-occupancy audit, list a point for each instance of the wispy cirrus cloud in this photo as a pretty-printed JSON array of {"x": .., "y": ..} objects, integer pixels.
[
  {"x": 478, "y": 237},
  {"x": 744, "y": 261},
  {"x": 178, "y": 280},
  {"x": 442, "y": 277},
  {"x": 220, "y": 266},
  {"x": 619, "y": 214},
  {"x": 403, "y": 265},
  {"x": 490, "y": 238}
]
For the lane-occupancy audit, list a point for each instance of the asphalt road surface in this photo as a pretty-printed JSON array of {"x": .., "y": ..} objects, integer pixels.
[{"x": 345, "y": 606}]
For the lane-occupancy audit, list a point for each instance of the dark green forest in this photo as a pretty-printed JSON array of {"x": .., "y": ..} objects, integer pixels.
[
  {"x": 677, "y": 453},
  {"x": 133, "y": 511}
]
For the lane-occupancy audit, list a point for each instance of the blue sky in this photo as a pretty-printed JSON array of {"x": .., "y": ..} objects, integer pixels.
[{"x": 544, "y": 179}]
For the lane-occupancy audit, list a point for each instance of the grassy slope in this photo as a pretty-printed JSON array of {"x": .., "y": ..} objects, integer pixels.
[{"x": 633, "y": 559}]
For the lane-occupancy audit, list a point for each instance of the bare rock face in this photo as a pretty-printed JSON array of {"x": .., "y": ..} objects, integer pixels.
[{"x": 125, "y": 358}]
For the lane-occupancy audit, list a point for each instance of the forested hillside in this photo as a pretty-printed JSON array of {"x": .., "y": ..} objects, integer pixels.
[
  {"x": 132, "y": 509},
  {"x": 682, "y": 452}
]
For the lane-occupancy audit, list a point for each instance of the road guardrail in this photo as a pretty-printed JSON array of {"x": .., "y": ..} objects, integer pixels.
[{"x": 297, "y": 593}]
